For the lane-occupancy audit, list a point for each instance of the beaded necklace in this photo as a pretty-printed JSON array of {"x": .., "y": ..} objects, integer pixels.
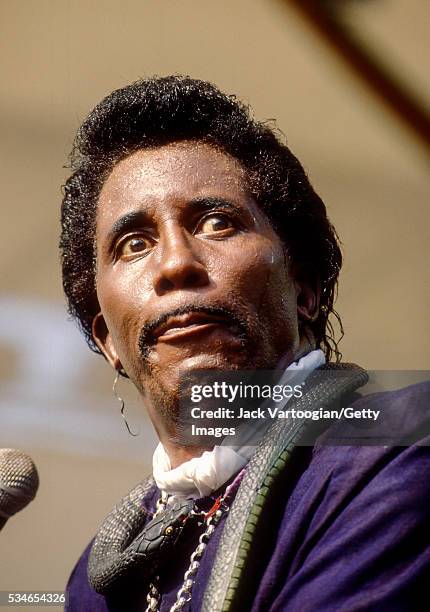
[{"x": 211, "y": 520}]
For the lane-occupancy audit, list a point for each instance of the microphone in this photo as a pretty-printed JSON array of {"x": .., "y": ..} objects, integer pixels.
[{"x": 19, "y": 482}]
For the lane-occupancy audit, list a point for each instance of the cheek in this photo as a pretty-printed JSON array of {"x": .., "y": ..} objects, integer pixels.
[
  {"x": 119, "y": 304},
  {"x": 121, "y": 291},
  {"x": 261, "y": 282},
  {"x": 257, "y": 271}
]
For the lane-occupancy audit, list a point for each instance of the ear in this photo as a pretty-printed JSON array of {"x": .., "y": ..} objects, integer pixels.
[
  {"x": 308, "y": 300},
  {"x": 103, "y": 339}
]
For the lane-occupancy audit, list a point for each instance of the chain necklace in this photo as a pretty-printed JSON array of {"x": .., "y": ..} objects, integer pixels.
[{"x": 211, "y": 519}]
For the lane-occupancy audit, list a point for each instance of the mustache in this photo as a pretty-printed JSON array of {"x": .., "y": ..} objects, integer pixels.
[{"x": 232, "y": 319}]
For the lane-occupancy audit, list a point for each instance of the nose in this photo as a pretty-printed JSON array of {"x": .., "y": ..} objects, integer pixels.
[{"x": 178, "y": 265}]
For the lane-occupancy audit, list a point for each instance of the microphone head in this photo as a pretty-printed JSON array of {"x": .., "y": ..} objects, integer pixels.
[{"x": 19, "y": 482}]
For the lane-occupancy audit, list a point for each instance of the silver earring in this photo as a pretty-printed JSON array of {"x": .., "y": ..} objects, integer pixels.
[{"x": 121, "y": 401}]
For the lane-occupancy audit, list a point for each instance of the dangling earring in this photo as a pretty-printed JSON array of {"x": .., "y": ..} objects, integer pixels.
[{"x": 121, "y": 401}]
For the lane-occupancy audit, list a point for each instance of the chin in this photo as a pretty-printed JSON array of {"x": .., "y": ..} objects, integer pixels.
[
  {"x": 211, "y": 361},
  {"x": 168, "y": 381}
]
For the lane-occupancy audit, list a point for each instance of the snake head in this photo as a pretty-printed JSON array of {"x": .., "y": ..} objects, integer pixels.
[{"x": 163, "y": 530}]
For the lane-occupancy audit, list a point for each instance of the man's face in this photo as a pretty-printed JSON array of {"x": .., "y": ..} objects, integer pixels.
[{"x": 190, "y": 273}]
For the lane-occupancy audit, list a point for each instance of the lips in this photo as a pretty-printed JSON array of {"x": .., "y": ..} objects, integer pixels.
[{"x": 187, "y": 325}]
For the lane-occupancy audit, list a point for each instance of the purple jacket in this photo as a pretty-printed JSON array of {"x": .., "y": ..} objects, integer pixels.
[{"x": 354, "y": 535}]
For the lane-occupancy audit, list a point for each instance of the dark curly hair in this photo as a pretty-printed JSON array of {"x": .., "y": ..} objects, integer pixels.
[{"x": 158, "y": 111}]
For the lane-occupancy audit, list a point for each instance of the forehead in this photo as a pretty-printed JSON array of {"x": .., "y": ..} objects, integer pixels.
[{"x": 178, "y": 171}]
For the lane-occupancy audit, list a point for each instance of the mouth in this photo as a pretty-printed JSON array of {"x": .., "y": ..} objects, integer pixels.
[{"x": 187, "y": 326}]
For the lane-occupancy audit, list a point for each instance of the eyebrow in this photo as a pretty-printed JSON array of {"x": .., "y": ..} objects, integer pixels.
[
  {"x": 208, "y": 203},
  {"x": 140, "y": 218},
  {"x": 126, "y": 223}
]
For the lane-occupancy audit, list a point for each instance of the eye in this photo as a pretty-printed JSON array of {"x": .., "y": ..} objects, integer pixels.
[
  {"x": 133, "y": 246},
  {"x": 214, "y": 223}
]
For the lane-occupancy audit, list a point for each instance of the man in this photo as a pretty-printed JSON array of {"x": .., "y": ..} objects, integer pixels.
[{"x": 192, "y": 240}]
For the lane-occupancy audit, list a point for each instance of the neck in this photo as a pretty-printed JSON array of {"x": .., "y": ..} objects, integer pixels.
[{"x": 180, "y": 454}]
